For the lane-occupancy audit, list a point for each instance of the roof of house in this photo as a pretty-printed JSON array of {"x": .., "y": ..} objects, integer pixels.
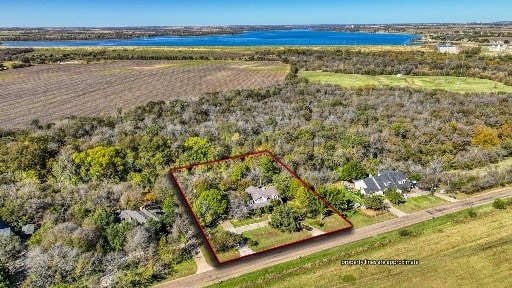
[
  {"x": 5, "y": 230},
  {"x": 28, "y": 229},
  {"x": 257, "y": 193},
  {"x": 386, "y": 179}
]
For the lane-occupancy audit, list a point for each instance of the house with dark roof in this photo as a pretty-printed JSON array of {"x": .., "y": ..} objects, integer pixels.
[
  {"x": 261, "y": 197},
  {"x": 5, "y": 230},
  {"x": 384, "y": 180}
]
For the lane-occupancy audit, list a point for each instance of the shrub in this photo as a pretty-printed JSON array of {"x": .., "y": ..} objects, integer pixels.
[{"x": 499, "y": 204}]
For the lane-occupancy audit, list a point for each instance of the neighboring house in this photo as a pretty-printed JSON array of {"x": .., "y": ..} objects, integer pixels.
[
  {"x": 448, "y": 49},
  {"x": 5, "y": 230},
  {"x": 28, "y": 229},
  {"x": 385, "y": 179},
  {"x": 141, "y": 216},
  {"x": 261, "y": 197}
]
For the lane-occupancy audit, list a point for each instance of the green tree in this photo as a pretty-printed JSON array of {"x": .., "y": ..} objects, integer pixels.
[
  {"x": 223, "y": 240},
  {"x": 374, "y": 202},
  {"x": 116, "y": 234},
  {"x": 197, "y": 150},
  {"x": 282, "y": 182},
  {"x": 5, "y": 277},
  {"x": 394, "y": 196},
  {"x": 353, "y": 170},
  {"x": 101, "y": 163},
  {"x": 168, "y": 209},
  {"x": 239, "y": 171},
  {"x": 267, "y": 167},
  {"x": 285, "y": 219},
  {"x": 210, "y": 206}
]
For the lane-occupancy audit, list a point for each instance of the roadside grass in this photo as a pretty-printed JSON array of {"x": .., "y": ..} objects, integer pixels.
[
  {"x": 419, "y": 203},
  {"x": 359, "y": 219},
  {"x": 454, "y": 250},
  {"x": 330, "y": 223},
  {"x": 448, "y": 83},
  {"x": 247, "y": 221},
  {"x": 267, "y": 237},
  {"x": 183, "y": 269}
]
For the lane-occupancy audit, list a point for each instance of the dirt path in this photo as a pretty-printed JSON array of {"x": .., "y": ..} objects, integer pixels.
[
  {"x": 446, "y": 197},
  {"x": 284, "y": 254}
]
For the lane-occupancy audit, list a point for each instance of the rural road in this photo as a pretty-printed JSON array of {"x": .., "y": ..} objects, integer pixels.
[{"x": 252, "y": 263}]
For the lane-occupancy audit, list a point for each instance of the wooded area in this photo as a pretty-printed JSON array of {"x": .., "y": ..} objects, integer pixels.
[{"x": 71, "y": 177}]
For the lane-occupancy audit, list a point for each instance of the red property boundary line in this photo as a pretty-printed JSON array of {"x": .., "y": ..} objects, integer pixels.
[{"x": 264, "y": 152}]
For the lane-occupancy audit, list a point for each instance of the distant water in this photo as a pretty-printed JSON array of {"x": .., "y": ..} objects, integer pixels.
[{"x": 249, "y": 38}]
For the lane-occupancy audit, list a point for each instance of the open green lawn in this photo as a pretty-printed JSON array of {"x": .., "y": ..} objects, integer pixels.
[
  {"x": 183, "y": 269},
  {"x": 360, "y": 219},
  {"x": 243, "y": 222},
  {"x": 449, "y": 83},
  {"x": 267, "y": 237},
  {"x": 330, "y": 223},
  {"x": 454, "y": 250},
  {"x": 415, "y": 204}
]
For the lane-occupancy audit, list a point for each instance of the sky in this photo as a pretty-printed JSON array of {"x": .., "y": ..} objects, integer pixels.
[{"x": 110, "y": 13}]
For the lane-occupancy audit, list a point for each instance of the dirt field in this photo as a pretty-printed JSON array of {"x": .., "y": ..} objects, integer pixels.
[{"x": 50, "y": 92}]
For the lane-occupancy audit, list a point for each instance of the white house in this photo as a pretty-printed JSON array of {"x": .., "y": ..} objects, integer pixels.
[
  {"x": 261, "y": 197},
  {"x": 448, "y": 49}
]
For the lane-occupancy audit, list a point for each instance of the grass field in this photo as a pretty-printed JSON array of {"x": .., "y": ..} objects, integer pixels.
[
  {"x": 228, "y": 255},
  {"x": 268, "y": 237},
  {"x": 328, "y": 224},
  {"x": 423, "y": 202},
  {"x": 50, "y": 92},
  {"x": 448, "y": 83},
  {"x": 360, "y": 219},
  {"x": 454, "y": 251}
]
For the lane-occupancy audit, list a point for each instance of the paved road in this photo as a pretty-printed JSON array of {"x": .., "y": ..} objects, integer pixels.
[{"x": 288, "y": 253}]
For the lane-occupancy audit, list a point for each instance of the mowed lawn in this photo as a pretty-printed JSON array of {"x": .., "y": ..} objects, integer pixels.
[
  {"x": 448, "y": 83},
  {"x": 454, "y": 251},
  {"x": 267, "y": 237},
  {"x": 360, "y": 219},
  {"x": 423, "y": 202},
  {"x": 51, "y": 92},
  {"x": 330, "y": 223}
]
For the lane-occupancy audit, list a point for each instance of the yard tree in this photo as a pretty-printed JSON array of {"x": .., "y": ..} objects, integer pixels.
[
  {"x": 101, "y": 163},
  {"x": 210, "y": 206},
  {"x": 268, "y": 167},
  {"x": 394, "y": 196},
  {"x": 239, "y": 171},
  {"x": 117, "y": 233},
  {"x": 238, "y": 207},
  {"x": 285, "y": 219},
  {"x": 223, "y": 240},
  {"x": 374, "y": 202},
  {"x": 282, "y": 181},
  {"x": 353, "y": 170}
]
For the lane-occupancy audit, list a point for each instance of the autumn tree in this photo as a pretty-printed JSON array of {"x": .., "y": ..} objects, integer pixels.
[{"x": 485, "y": 137}]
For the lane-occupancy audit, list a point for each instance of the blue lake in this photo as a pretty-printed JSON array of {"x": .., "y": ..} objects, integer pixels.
[{"x": 249, "y": 38}]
